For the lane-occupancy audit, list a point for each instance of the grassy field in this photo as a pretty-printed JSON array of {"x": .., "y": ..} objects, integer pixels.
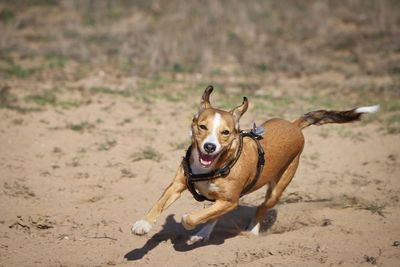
[{"x": 286, "y": 54}]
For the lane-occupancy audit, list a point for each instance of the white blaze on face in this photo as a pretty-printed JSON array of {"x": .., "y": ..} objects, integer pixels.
[{"x": 213, "y": 137}]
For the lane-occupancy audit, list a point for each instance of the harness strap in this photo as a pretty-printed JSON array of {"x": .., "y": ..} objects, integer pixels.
[
  {"x": 223, "y": 172},
  {"x": 260, "y": 164},
  {"x": 192, "y": 178}
]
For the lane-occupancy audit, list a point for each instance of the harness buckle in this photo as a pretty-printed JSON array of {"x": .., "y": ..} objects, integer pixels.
[{"x": 257, "y": 131}]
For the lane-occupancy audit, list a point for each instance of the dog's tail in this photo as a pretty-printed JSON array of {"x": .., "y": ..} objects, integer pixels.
[{"x": 320, "y": 117}]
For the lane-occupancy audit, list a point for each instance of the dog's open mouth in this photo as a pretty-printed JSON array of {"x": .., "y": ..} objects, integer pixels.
[{"x": 206, "y": 160}]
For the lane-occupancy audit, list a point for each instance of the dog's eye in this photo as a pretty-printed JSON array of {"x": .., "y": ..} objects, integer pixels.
[
  {"x": 225, "y": 132},
  {"x": 203, "y": 127}
]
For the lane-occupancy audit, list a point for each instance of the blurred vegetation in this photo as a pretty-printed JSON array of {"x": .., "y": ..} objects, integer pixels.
[
  {"x": 288, "y": 56},
  {"x": 147, "y": 37}
]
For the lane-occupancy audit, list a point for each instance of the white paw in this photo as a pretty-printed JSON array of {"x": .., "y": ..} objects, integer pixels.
[
  {"x": 196, "y": 238},
  {"x": 141, "y": 227},
  {"x": 254, "y": 228},
  {"x": 204, "y": 233},
  {"x": 185, "y": 225}
]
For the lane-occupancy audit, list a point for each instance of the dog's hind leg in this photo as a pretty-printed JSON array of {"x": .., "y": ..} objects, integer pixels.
[
  {"x": 203, "y": 234},
  {"x": 254, "y": 226},
  {"x": 273, "y": 194}
]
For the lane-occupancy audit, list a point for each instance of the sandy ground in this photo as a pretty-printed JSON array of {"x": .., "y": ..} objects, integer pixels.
[
  {"x": 96, "y": 100},
  {"x": 68, "y": 198}
]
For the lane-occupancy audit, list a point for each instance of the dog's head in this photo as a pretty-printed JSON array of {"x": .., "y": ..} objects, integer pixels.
[{"x": 214, "y": 130}]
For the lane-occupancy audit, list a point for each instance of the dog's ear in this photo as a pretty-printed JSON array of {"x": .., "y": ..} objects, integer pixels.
[
  {"x": 205, "y": 99},
  {"x": 240, "y": 110}
]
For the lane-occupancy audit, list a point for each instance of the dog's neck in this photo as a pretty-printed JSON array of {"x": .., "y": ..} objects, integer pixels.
[{"x": 223, "y": 159}]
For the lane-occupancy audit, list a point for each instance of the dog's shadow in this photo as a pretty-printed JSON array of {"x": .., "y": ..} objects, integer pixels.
[{"x": 228, "y": 226}]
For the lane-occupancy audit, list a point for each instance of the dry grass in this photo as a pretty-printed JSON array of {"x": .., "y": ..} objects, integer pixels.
[
  {"x": 146, "y": 153},
  {"x": 148, "y": 37},
  {"x": 288, "y": 57}
]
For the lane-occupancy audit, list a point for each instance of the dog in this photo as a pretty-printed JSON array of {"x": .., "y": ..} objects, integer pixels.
[{"x": 223, "y": 163}]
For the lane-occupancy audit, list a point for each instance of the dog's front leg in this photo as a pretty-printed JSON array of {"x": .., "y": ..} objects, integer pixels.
[
  {"x": 220, "y": 207},
  {"x": 172, "y": 193}
]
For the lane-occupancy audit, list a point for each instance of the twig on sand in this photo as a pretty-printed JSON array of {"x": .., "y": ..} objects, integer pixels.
[{"x": 103, "y": 237}]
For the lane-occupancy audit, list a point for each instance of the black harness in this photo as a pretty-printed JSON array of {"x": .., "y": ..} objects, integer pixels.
[{"x": 224, "y": 171}]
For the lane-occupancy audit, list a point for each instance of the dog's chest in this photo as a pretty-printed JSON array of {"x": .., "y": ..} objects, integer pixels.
[{"x": 206, "y": 187}]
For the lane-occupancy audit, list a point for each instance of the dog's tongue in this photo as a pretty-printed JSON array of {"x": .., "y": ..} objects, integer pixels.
[{"x": 206, "y": 160}]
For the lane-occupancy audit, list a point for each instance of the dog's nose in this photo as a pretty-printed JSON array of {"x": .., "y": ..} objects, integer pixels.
[{"x": 209, "y": 147}]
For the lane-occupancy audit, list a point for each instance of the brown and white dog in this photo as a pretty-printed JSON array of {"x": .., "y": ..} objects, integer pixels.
[{"x": 215, "y": 142}]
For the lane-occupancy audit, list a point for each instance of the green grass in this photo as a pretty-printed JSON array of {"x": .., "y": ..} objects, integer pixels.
[
  {"x": 69, "y": 104},
  {"x": 10, "y": 101},
  {"x": 13, "y": 69},
  {"x": 393, "y": 105},
  {"x": 79, "y": 156},
  {"x": 125, "y": 121},
  {"x": 146, "y": 153},
  {"x": 216, "y": 72},
  {"x": 169, "y": 96},
  {"x": 127, "y": 92},
  {"x": 80, "y": 127},
  {"x": 55, "y": 61},
  {"x": 316, "y": 102},
  {"x": 393, "y": 124},
  {"x": 179, "y": 145},
  {"x": 42, "y": 2},
  {"x": 50, "y": 98},
  {"x": 151, "y": 83},
  {"x": 172, "y": 97},
  {"x": 262, "y": 67},
  {"x": 42, "y": 99},
  {"x": 345, "y": 132},
  {"x": 179, "y": 67},
  {"x": 107, "y": 145},
  {"x": 7, "y": 98},
  {"x": 72, "y": 34},
  {"x": 24, "y": 110},
  {"x": 102, "y": 90},
  {"x": 353, "y": 202},
  {"x": 7, "y": 16},
  {"x": 375, "y": 208},
  {"x": 89, "y": 21}
]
